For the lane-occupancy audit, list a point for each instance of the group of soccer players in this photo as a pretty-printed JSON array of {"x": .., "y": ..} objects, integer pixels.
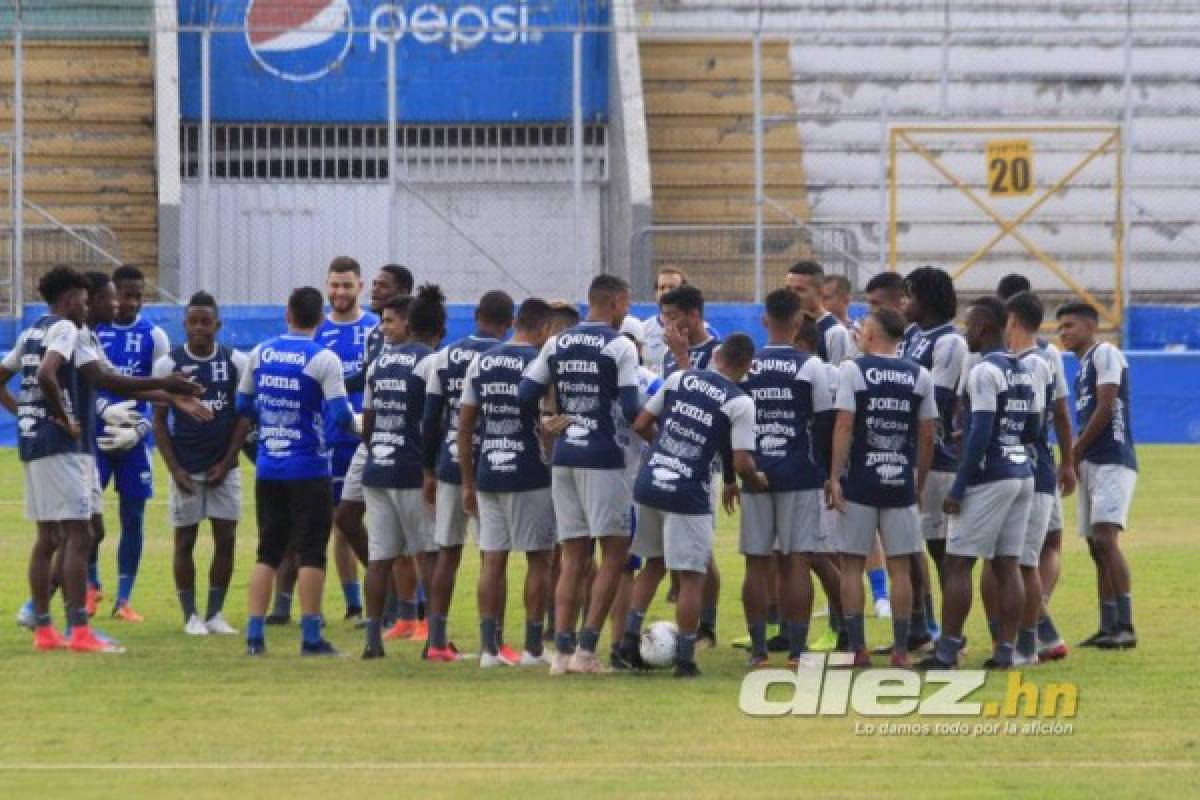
[{"x": 600, "y": 449}]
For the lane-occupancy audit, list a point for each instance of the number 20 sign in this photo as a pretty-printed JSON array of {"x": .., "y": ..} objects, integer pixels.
[{"x": 1010, "y": 167}]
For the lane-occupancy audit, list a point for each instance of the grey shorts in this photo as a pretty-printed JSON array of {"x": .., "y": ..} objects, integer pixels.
[
  {"x": 450, "y": 521},
  {"x": 1105, "y": 494},
  {"x": 223, "y": 501},
  {"x": 683, "y": 541},
  {"x": 65, "y": 486},
  {"x": 831, "y": 529},
  {"x": 1056, "y": 514},
  {"x": 520, "y": 521},
  {"x": 993, "y": 520},
  {"x": 398, "y": 523},
  {"x": 1040, "y": 510},
  {"x": 352, "y": 485},
  {"x": 789, "y": 522},
  {"x": 592, "y": 502},
  {"x": 934, "y": 522},
  {"x": 899, "y": 530}
]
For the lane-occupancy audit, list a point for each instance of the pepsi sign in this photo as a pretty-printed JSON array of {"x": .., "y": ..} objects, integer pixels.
[{"x": 326, "y": 60}]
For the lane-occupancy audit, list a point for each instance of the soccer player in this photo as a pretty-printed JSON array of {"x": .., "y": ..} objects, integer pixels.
[
  {"x": 132, "y": 345},
  {"x": 835, "y": 344},
  {"x": 61, "y": 365},
  {"x": 1025, "y": 312},
  {"x": 202, "y": 458},
  {"x": 690, "y": 345},
  {"x": 882, "y": 448},
  {"x": 697, "y": 416},
  {"x": 593, "y": 369},
  {"x": 290, "y": 383},
  {"x": 990, "y": 498},
  {"x": 835, "y": 296},
  {"x": 1051, "y": 646},
  {"x": 793, "y": 408},
  {"x": 345, "y": 331},
  {"x": 1106, "y": 464},
  {"x": 940, "y": 348},
  {"x": 400, "y": 525},
  {"x": 886, "y": 290},
  {"x": 508, "y": 486},
  {"x": 654, "y": 329},
  {"x": 443, "y": 394}
]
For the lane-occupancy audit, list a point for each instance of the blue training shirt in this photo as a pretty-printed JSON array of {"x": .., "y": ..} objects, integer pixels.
[
  {"x": 349, "y": 341},
  {"x": 889, "y": 398},
  {"x": 700, "y": 356},
  {"x": 395, "y": 392},
  {"x": 1105, "y": 364},
  {"x": 200, "y": 445},
  {"x": 702, "y": 416},
  {"x": 1040, "y": 365},
  {"x": 444, "y": 394},
  {"x": 510, "y": 455},
  {"x": 290, "y": 379},
  {"x": 1000, "y": 385}
]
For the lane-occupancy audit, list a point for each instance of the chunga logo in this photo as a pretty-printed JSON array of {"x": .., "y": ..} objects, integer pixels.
[{"x": 299, "y": 40}]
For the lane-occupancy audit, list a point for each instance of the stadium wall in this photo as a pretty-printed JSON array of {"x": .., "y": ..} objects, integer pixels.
[{"x": 1166, "y": 385}]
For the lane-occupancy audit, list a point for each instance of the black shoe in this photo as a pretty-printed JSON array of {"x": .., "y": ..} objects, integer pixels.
[
  {"x": 886, "y": 650},
  {"x": 1124, "y": 639},
  {"x": 706, "y": 636},
  {"x": 779, "y": 643},
  {"x": 932, "y": 662},
  {"x": 353, "y": 613},
  {"x": 843, "y": 642},
  {"x": 919, "y": 643},
  {"x": 321, "y": 647},
  {"x": 686, "y": 669},
  {"x": 373, "y": 651},
  {"x": 992, "y": 663},
  {"x": 626, "y": 657},
  {"x": 279, "y": 619},
  {"x": 256, "y": 647},
  {"x": 1094, "y": 639},
  {"x": 420, "y": 610}
]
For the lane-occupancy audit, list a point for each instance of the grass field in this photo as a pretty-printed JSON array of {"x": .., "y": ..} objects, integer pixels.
[{"x": 185, "y": 715}]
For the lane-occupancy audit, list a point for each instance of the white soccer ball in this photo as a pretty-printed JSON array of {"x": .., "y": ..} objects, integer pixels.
[{"x": 659, "y": 643}]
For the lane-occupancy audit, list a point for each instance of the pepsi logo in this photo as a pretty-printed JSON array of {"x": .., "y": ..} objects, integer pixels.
[{"x": 299, "y": 40}]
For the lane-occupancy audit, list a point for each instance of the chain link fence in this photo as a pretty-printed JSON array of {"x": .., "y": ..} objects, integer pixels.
[{"x": 239, "y": 145}]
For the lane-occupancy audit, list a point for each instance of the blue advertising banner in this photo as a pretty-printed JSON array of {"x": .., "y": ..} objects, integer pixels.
[{"x": 315, "y": 61}]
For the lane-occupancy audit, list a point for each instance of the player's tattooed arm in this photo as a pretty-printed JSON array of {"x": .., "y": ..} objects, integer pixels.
[{"x": 467, "y": 418}]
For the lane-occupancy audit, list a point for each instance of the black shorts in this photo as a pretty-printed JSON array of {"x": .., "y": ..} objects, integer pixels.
[{"x": 296, "y": 515}]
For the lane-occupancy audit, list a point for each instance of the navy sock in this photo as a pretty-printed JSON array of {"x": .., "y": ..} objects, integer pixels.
[
  {"x": 994, "y": 629},
  {"x": 686, "y": 648},
  {"x": 878, "y": 579},
  {"x": 797, "y": 639},
  {"x": 708, "y": 617},
  {"x": 1027, "y": 642},
  {"x": 487, "y": 636},
  {"x": 633, "y": 623},
  {"x": 1108, "y": 616},
  {"x": 1124, "y": 611},
  {"x": 283, "y": 605},
  {"x": 77, "y": 617},
  {"x": 1004, "y": 654},
  {"x": 255, "y": 628},
  {"x": 588, "y": 639},
  {"x": 352, "y": 592},
  {"x": 758, "y": 639},
  {"x": 1047, "y": 633},
  {"x": 947, "y": 648},
  {"x": 437, "y": 631},
  {"x": 129, "y": 549},
  {"x": 918, "y": 626},
  {"x": 533, "y": 638},
  {"x": 43, "y": 620},
  {"x": 837, "y": 623},
  {"x": 856, "y": 627},
  {"x": 564, "y": 642},
  {"x": 900, "y": 633},
  {"x": 773, "y": 614},
  {"x": 94, "y": 574},
  {"x": 310, "y": 628},
  {"x": 930, "y": 612},
  {"x": 374, "y": 633},
  {"x": 406, "y": 609},
  {"x": 216, "y": 601},
  {"x": 187, "y": 602}
]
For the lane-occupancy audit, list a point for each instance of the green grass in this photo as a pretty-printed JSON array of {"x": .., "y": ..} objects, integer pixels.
[{"x": 180, "y": 714}]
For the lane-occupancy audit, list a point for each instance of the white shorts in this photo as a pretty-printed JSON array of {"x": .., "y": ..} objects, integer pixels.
[
  {"x": 789, "y": 522},
  {"x": 683, "y": 541},
  {"x": 449, "y": 519},
  {"x": 934, "y": 522},
  {"x": 97, "y": 491},
  {"x": 398, "y": 523},
  {"x": 65, "y": 486},
  {"x": 593, "y": 502},
  {"x": 899, "y": 530},
  {"x": 516, "y": 521},
  {"x": 993, "y": 520},
  {"x": 352, "y": 485},
  {"x": 1056, "y": 514},
  {"x": 1040, "y": 510},
  {"x": 1105, "y": 494},
  {"x": 223, "y": 501}
]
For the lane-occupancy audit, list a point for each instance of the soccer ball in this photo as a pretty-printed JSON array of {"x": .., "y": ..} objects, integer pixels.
[{"x": 658, "y": 644}]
